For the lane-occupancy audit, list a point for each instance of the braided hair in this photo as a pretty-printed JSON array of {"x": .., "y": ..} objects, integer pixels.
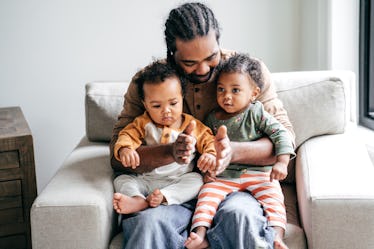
[{"x": 186, "y": 23}]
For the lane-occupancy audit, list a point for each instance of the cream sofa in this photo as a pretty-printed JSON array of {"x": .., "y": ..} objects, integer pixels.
[{"x": 329, "y": 191}]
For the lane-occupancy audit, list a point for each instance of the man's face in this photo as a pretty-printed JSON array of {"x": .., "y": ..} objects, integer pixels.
[{"x": 198, "y": 57}]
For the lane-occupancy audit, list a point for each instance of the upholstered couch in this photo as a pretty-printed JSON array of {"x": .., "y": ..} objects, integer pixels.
[{"x": 329, "y": 191}]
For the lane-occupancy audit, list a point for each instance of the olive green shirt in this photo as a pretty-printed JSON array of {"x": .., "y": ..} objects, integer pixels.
[{"x": 250, "y": 125}]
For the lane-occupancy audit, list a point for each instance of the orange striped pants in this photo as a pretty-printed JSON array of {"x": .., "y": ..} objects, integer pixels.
[{"x": 268, "y": 194}]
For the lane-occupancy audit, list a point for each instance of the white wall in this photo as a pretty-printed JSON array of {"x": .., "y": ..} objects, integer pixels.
[{"x": 50, "y": 49}]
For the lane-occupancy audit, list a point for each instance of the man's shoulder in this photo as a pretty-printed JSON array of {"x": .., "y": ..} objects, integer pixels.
[{"x": 227, "y": 53}]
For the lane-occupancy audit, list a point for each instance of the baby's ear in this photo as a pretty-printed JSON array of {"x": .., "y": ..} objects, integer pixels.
[{"x": 255, "y": 93}]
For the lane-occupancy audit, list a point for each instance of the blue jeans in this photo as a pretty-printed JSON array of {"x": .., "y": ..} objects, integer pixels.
[{"x": 238, "y": 224}]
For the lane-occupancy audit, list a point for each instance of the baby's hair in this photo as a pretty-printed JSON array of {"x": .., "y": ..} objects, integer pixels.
[
  {"x": 243, "y": 63},
  {"x": 155, "y": 73}
]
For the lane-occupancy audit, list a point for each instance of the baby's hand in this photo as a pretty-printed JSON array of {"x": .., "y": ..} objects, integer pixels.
[
  {"x": 209, "y": 177},
  {"x": 279, "y": 171},
  {"x": 207, "y": 162},
  {"x": 129, "y": 157}
]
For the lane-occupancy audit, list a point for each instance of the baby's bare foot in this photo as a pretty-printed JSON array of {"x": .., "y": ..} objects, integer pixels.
[
  {"x": 155, "y": 198},
  {"x": 124, "y": 204},
  {"x": 195, "y": 241},
  {"x": 278, "y": 243}
]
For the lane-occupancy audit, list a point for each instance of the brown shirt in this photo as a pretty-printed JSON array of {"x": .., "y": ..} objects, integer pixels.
[{"x": 199, "y": 101}]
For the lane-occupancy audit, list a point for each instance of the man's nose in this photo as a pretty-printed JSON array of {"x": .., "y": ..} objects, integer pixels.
[{"x": 203, "y": 68}]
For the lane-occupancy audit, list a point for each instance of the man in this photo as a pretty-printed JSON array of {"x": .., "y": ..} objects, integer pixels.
[{"x": 192, "y": 38}]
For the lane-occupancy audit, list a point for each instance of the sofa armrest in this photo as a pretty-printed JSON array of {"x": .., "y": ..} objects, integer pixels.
[
  {"x": 75, "y": 208},
  {"x": 335, "y": 188}
]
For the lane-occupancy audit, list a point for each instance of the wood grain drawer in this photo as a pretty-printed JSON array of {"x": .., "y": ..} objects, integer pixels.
[
  {"x": 11, "y": 210},
  {"x": 17, "y": 179},
  {"x": 9, "y": 159}
]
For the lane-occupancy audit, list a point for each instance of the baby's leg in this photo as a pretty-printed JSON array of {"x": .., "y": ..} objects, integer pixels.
[
  {"x": 197, "y": 239},
  {"x": 155, "y": 198},
  {"x": 184, "y": 189},
  {"x": 124, "y": 204},
  {"x": 278, "y": 240},
  {"x": 270, "y": 195}
]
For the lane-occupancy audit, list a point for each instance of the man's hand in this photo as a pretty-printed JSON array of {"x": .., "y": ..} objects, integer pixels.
[
  {"x": 184, "y": 146},
  {"x": 223, "y": 148},
  {"x": 129, "y": 157}
]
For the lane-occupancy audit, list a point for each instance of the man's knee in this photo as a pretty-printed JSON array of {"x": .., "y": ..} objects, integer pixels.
[{"x": 240, "y": 201}]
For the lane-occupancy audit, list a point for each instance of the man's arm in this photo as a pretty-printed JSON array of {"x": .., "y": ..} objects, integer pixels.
[
  {"x": 148, "y": 160},
  {"x": 154, "y": 156},
  {"x": 259, "y": 152}
]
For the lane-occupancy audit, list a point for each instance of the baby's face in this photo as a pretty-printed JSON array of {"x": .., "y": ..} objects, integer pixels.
[
  {"x": 164, "y": 102},
  {"x": 235, "y": 92}
]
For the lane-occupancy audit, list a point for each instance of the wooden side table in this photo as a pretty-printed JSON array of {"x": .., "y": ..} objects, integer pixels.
[{"x": 17, "y": 179}]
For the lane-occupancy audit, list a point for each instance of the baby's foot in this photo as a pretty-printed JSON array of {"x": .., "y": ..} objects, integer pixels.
[
  {"x": 124, "y": 204},
  {"x": 194, "y": 241},
  {"x": 278, "y": 242},
  {"x": 155, "y": 198}
]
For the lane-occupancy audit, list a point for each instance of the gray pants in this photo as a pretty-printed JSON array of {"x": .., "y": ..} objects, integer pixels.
[{"x": 176, "y": 190}]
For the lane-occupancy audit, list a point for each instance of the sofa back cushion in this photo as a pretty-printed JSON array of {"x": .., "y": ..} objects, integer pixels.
[
  {"x": 314, "y": 109},
  {"x": 317, "y": 104},
  {"x": 103, "y": 103}
]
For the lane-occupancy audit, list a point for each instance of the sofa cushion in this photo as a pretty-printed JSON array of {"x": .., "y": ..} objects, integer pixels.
[
  {"x": 314, "y": 108},
  {"x": 104, "y": 101}
]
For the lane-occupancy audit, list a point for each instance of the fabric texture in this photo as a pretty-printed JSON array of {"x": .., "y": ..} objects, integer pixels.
[
  {"x": 176, "y": 190},
  {"x": 268, "y": 194},
  {"x": 250, "y": 125},
  {"x": 103, "y": 102}
]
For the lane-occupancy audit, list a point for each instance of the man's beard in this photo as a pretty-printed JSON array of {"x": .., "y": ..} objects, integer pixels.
[{"x": 192, "y": 77}]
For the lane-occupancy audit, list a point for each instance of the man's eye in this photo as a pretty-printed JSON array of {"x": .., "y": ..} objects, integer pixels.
[
  {"x": 189, "y": 64},
  {"x": 212, "y": 57}
]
